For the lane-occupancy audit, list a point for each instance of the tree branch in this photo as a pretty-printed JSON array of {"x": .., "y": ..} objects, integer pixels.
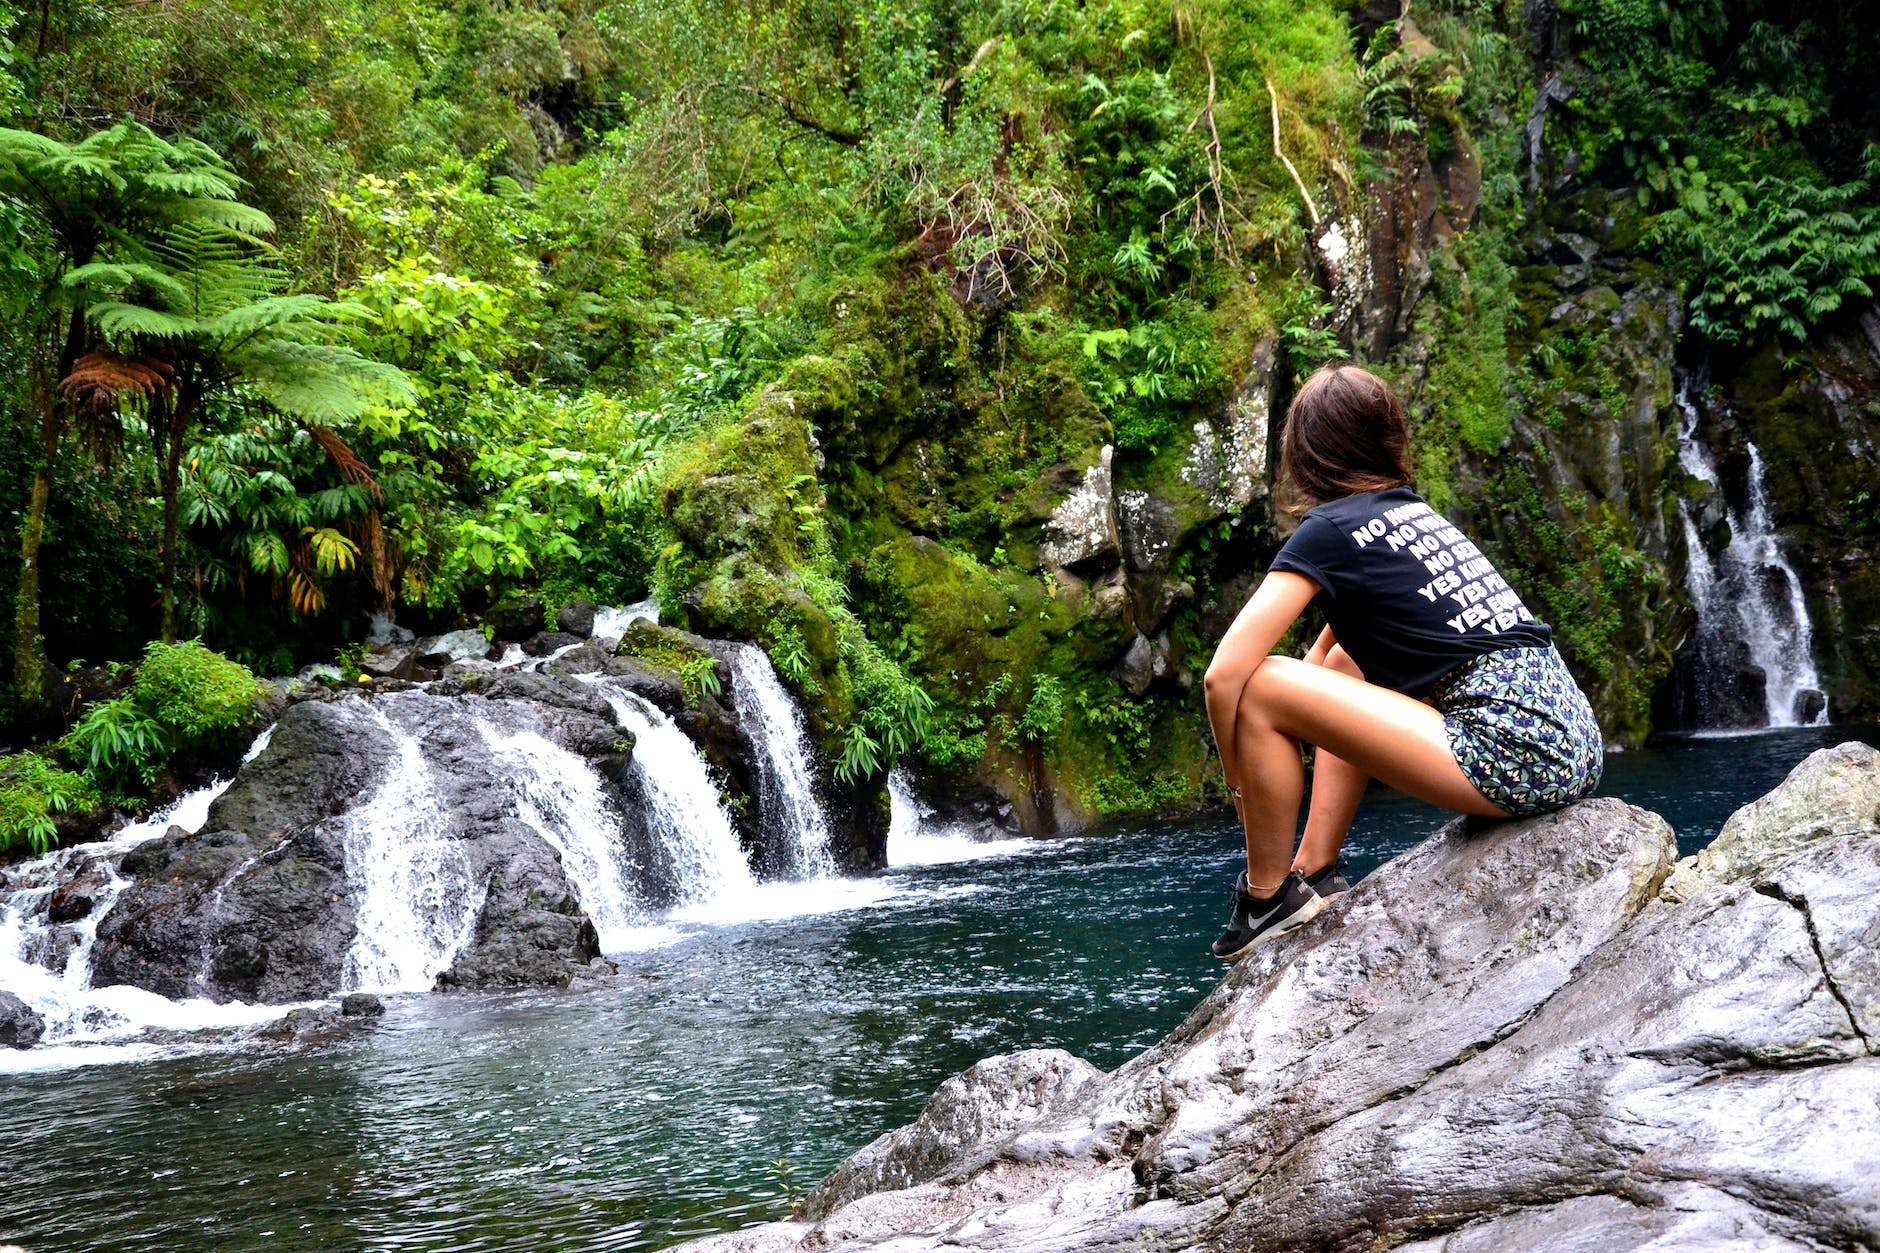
[
  {"x": 796, "y": 113},
  {"x": 1311, "y": 209}
]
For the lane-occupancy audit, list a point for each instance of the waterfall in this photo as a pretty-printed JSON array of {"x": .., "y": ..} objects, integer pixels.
[
  {"x": 559, "y": 797},
  {"x": 612, "y": 623},
  {"x": 416, "y": 899},
  {"x": 786, "y": 794},
  {"x": 1749, "y": 593},
  {"x": 48, "y": 965},
  {"x": 684, "y": 813},
  {"x": 914, "y": 841}
]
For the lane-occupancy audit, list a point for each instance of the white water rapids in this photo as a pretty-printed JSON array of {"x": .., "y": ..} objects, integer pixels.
[
  {"x": 416, "y": 895},
  {"x": 49, "y": 967},
  {"x": 786, "y": 793}
]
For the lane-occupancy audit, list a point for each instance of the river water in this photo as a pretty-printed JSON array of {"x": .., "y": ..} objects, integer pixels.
[{"x": 715, "y": 1074}]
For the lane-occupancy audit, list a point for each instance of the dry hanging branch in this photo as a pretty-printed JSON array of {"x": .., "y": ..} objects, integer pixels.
[
  {"x": 1312, "y": 210},
  {"x": 1217, "y": 170},
  {"x": 946, "y": 88},
  {"x": 350, "y": 467},
  {"x": 103, "y": 381}
]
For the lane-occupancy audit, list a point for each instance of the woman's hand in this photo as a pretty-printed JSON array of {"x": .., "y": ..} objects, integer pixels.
[
  {"x": 1274, "y": 606},
  {"x": 1323, "y": 649}
]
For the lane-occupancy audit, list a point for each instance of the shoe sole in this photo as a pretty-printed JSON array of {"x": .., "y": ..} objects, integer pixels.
[{"x": 1298, "y": 918}]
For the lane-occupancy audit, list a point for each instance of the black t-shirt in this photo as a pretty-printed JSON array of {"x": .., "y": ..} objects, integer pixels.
[{"x": 1406, "y": 593}]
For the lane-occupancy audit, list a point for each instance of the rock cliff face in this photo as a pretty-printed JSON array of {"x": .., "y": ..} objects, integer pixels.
[{"x": 1515, "y": 1036}]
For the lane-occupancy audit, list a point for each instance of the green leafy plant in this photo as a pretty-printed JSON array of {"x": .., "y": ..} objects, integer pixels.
[
  {"x": 1777, "y": 254},
  {"x": 699, "y": 678},
  {"x": 860, "y": 758},
  {"x": 1044, "y": 710},
  {"x": 790, "y": 654},
  {"x": 119, "y": 742},
  {"x": 33, "y": 792},
  {"x": 184, "y": 696}
]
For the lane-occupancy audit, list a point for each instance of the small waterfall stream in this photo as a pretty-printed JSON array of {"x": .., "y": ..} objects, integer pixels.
[
  {"x": 416, "y": 900},
  {"x": 684, "y": 811},
  {"x": 787, "y": 795},
  {"x": 416, "y": 894},
  {"x": 559, "y": 797},
  {"x": 1748, "y": 594},
  {"x": 48, "y": 964}
]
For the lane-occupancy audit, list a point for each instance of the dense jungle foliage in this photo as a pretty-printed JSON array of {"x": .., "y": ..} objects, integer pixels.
[{"x": 801, "y": 317}]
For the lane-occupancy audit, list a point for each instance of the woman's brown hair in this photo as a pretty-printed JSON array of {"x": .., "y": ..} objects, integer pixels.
[{"x": 1344, "y": 434}]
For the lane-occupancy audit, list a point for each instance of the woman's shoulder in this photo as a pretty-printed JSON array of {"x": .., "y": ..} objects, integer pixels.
[{"x": 1361, "y": 507}]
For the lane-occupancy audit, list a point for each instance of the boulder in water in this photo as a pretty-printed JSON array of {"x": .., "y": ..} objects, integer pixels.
[
  {"x": 542, "y": 643},
  {"x": 577, "y": 617},
  {"x": 1835, "y": 791},
  {"x": 438, "y": 651},
  {"x": 1503, "y": 1039},
  {"x": 408, "y": 794},
  {"x": 517, "y": 619},
  {"x": 361, "y": 1005},
  {"x": 20, "y": 1024}
]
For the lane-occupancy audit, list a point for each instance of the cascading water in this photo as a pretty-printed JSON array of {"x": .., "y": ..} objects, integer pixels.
[
  {"x": 1749, "y": 595},
  {"x": 685, "y": 815},
  {"x": 48, "y": 964},
  {"x": 559, "y": 798},
  {"x": 786, "y": 794},
  {"x": 611, "y": 623},
  {"x": 416, "y": 899},
  {"x": 914, "y": 841}
]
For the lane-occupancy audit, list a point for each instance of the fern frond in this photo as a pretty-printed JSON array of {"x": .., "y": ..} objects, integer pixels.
[
  {"x": 104, "y": 382},
  {"x": 118, "y": 318},
  {"x": 345, "y": 460},
  {"x": 122, "y": 277}
]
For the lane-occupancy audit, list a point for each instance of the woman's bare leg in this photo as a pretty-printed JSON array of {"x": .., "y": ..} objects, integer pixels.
[
  {"x": 1337, "y": 790},
  {"x": 1373, "y": 730}
]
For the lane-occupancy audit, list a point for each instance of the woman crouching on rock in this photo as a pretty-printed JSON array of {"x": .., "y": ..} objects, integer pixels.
[{"x": 1431, "y": 675}]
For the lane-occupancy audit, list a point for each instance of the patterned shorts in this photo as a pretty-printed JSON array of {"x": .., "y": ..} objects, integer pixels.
[{"x": 1521, "y": 730}]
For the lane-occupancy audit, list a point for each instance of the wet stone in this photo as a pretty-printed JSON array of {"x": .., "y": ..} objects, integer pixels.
[{"x": 20, "y": 1025}]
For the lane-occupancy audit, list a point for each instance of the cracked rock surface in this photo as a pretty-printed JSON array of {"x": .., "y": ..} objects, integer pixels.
[{"x": 1514, "y": 1036}]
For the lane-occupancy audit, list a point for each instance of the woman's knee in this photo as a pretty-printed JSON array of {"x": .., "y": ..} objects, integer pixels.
[{"x": 1268, "y": 686}]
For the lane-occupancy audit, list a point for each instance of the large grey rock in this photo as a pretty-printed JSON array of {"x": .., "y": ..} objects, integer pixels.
[
  {"x": 1082, "y": 533},
  {"x": 260, "y": 905},
  {"x": 993, "y": 1098},
  {"x": 1504, "y": 1039},
  {"x": 20, "y": 1024},
  {"x": 440, "y": 650},
  {"x": 1832, "y": 792},
  {"x": 517, "y": 619},
  {"x": 576, "y": 617}
]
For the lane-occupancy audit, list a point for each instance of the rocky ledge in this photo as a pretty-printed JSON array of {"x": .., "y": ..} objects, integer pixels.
[{"x": 1539, "y": 1034}]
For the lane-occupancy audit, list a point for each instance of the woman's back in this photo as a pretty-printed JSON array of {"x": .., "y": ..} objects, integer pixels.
[{"x": 1408, "y": 596}]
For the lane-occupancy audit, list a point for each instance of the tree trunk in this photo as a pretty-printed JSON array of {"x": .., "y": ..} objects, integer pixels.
[
  {"x": 29, "y": 645},
  {"x": 180, "y": 415}
]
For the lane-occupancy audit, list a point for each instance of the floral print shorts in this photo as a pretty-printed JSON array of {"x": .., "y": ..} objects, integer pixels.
[{"x": 1521, "y": 729}]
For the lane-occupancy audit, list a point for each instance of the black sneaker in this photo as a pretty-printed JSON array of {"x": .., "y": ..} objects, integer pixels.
[
  {"x": 1328, "y": 882},
  {"x": 1255, "y": 921}
]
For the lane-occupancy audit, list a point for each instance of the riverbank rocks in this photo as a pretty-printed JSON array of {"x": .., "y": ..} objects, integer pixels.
[
  {"x": 1506, "y": 1038},
  {"x": 277, "y": 898},
  {"x": 20, "y": 1024}
]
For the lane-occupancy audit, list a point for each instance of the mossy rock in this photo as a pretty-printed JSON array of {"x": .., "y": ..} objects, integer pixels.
[{"x": 745, "y": 488}]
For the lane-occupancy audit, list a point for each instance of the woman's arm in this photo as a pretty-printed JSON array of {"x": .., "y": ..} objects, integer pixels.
[
  {"x": 1274, "y": 606},
  {"x": 1322, "y": 649}
]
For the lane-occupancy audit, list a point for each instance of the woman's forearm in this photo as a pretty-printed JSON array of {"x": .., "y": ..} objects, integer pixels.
[{"x": 1272, "y": 608}]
